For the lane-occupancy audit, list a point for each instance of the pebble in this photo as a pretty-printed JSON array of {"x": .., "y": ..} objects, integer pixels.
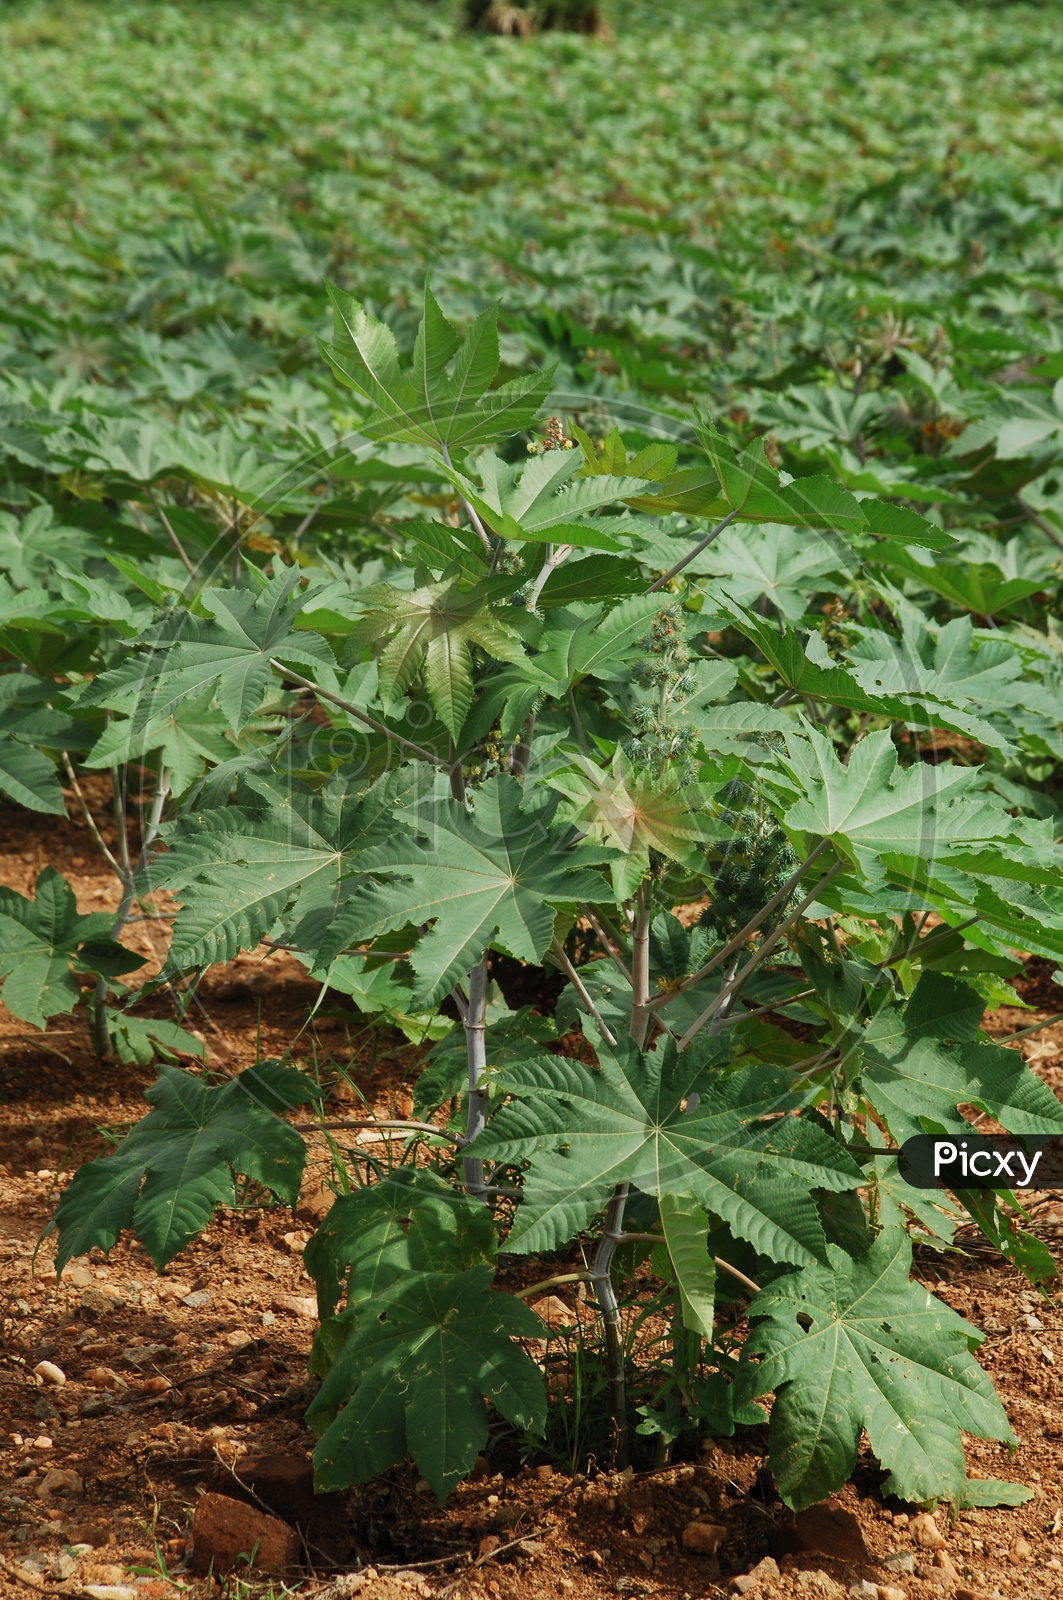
[
  {"x": 109, "y": 1591},
  {"x": 862, "y": 1590},
  {"x": 900, "y": 1561},
  {"x": 48, "y": 1372},
  {"x": 42, "y": 1442},
  {"x": 925, "y": 1532},
  {"x": 1022, "y": 1549},
  {"x": 197, "y": 1299},
  {"x": 765, "y": 1572},
  {"x": 102, "y": 1298},
  {"x": 299, "y": 1305},
  {"x": 60, "y": 1480},
  {"x": 886, "y": 1592},
  {"x": 703, "y": 1537}
]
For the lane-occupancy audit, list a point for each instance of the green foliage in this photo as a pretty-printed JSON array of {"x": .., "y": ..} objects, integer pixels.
[
  {"x": 856, "y": 1345},
  {"x": 759, "y": 626},
  {"x": 168, "y": 1176},
  {"x": 45, "y": 943}
]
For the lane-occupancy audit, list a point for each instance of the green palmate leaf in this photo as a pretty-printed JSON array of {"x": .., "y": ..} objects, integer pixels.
[
  {"x": 29, "y": 778},
  {"x": 856, "y": 1345},
  {"x": 227, "y": 653},
  {"x": 752, "y": 489},
  {"x": 873, "y": 807},
  {"x": 666, "y": 1123},
  {"x": 588, "y": 641},
  {"x": 924, "y": 1060},
  {"x": 544, "y": 500},
  {"x": 805, "y": 667},
  {"x": 409, "y": 1221},
  {"x": 635, "y": 812},
  {"x": 283, "y": 853},
  {"x": 170, "y": 1173},
  {"x": 686, "y": 1235},
  {"x": 42, "y": 939},
  {"x": 189, "y": 736},
  {"x": 434, "y": 628},
  {"x": 411, "y": 1376},
  {"x": 147, "y": 1039},
  {"x": 444, "y": 399},
  {"x": 490, "y": 878}
]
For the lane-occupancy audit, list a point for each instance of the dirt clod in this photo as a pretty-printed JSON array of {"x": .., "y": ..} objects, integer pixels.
[
  {"x": 704, "y": 1537},
  {"x": 227, "y": 1534}
]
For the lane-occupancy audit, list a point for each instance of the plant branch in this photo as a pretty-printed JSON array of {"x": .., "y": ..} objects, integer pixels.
[
  {"x": 768, "y": 944},
  {"x": 409, "y": 1126},
  {"x": 610, "y": 943},
  {"x": 640, "y": 965},
  {"x": 470, "y": 510},
  {"x": 555, "y": 555},
  {"x": 1036, "y": 1027},
  {"x": 362, "y": 716},
  {"x": 90, "y": 820},
  {"x": 574, "y": 978},
  {"x": 745, "y": 934},
  {"x": 171, "y": 535},
  {"x": 691, "y": 555},
  {"x": 554, "y": 1283},
  {"x": 1040, "y": 522},
  {"x": 605, "y": 1290},
  {"x": 475, "y": 1025}
]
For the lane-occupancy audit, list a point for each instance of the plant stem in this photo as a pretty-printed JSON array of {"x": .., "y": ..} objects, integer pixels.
[
  {"x": 553, "y": 1283},
  {"x": 129, "y": 875},
  {"x": 555, "y": 555},
  {"x": 456, "y": 776},
  {"x": 377, "y": 1122},
  {"x": 610, "y": 942},
  {"x": 601, "y": 1276},
  {"x": 640, "y": 965},
  {"x": 475, "y": 1025},
  {"x": 1036, "y": 1027},
  {"x": 520, "y": 760},
  {"x": 729, "y": 990},
  {"x": 1040, "y": 522},
  {"x": 90, "y": 820},
  {"x": 362, "y": 716},
  {"x": 702, "y": 544},
  {"x": 470, "y": 511},
  {"x": 577, "y": 983},
  {"x": 746, "y": 933},
  {"x": 171, "y": 535}
]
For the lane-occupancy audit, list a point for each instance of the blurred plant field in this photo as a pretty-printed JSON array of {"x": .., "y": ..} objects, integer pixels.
[{"x": 837, "y": 223}]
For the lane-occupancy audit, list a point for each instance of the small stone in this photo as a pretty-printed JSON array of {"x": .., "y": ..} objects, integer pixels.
[
  {"x": 102, "y": 1298},
  {"x": 295, "y": 1243},
  {"x": 901, "y": 1519},
  {"x": 79, "y": 1276},
  {"x": 60, "y": 1480},
  {"x": 925, "y": 1532},
  {"x": 488, "y": 1545},
  {"x": 225, "y": 1532},
  {"x": 887, "y": 1592},
  {"x": 109, "y": 1591},
  {"x": 298, "y": 1305},
  {"x": 544, "y": 1473},
  {"x": 973, "y": 1594},
  {"x": 831, "y": 1530},
  {"x": 765, "y": 1572},
  {"x": 48, "y": 1372},
  {"x": 900, "y": 1561},
  {"x": 1022, "y": 1549},
  {"x": 197, "y": 1299},
  {"x": 236, "y": 1338},
  {"x": 703, "y": 1537},
  {"x": 91, "y": 1535},
  {"x": 1033, "y": 1322},
  {"x": 862, "y": 1590},
  {"x": 42, "y": 1442},
  {"x": 946, "y": 1567},
  {"x": 268, "y": 1318},
  {"x": 1054, "y": 1564},
  {"x": 64, "y": 1566},
  {"x": 43, "y": 1412}
]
